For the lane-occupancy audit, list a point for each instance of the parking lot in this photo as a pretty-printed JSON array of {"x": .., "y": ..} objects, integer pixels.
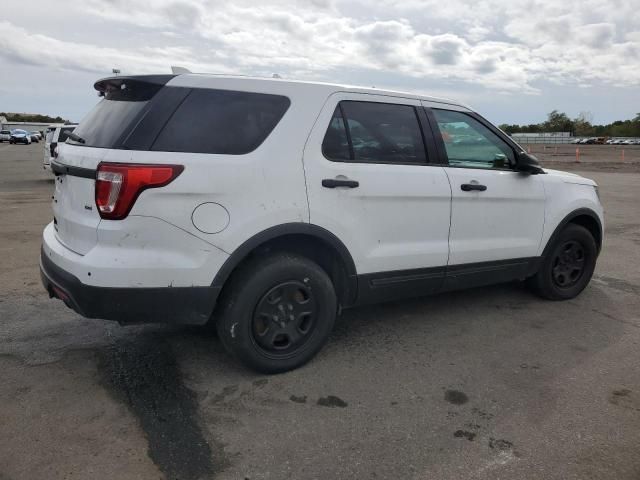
[{"x": 490, "y": 383}]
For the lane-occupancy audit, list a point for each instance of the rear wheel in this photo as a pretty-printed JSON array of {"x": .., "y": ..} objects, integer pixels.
[
  {"x": 567, "y": 268},
  {"x": 277, "y": 312}
]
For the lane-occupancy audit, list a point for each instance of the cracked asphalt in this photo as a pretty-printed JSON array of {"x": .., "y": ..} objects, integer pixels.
[{"x": 491, "y": 383}]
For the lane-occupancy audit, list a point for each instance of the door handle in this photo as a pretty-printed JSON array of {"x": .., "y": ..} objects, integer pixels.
[
  {"x": 335, "y": 182},
  {"x": 468, "y": 187}
]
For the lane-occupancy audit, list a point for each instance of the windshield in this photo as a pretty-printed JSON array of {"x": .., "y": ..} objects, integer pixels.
[{"x": 18, "y": 132}]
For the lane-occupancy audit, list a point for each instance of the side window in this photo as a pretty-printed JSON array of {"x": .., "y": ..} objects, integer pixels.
[
  {"x": 221, "y": 121},
  {"x": 470, "y": 144},
  {"x": 369, "y": 132},
  {"x": 335, "y": 145},
  {"x": 64, "y": 134}
]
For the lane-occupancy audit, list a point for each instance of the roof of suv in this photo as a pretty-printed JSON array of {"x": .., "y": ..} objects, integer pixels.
[{"x": 197, "y": 80}]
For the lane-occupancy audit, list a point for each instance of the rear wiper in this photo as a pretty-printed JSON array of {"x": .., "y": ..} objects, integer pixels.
[{"x": 76, "y": 138}]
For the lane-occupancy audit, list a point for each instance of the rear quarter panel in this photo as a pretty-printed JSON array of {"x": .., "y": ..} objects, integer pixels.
[{"x": 259, "y": 190}]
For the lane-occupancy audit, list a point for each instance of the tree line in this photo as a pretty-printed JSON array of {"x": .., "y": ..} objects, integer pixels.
[
  {"x": 580, "y": 126},
  {"x": 31, "y": 117}
]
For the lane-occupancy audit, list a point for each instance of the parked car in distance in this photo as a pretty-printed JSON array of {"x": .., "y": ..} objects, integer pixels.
[
  {"x": 20, "y": 136},
  {"x": 267, "y": 206},
  {"x": 35, "y": 136},
  {"x": 5, "y": 135},
  {"x": 55, "y": 136}
]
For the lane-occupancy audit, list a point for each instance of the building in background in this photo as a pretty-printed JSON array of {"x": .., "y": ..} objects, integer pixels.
[
  {"x": 29, "y": 126},
  {"x": 543, "y": 137}
]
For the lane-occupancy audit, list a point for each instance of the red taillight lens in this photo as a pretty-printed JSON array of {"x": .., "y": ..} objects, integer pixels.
[{"x": 119, "y": 184}]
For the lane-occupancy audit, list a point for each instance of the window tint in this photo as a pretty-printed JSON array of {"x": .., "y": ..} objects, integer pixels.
[
  {"x": 111, "y": 119},
  {"x": 64, "y": 134},
  {"x": 470, "y": 144},
  {"x": 335, "y": 145},
  {"x": 221, "y": 121},
  {"x": 377, "y": 132}
]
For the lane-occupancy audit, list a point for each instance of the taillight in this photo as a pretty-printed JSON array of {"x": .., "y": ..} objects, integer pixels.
[{"x": 119, "y": 184}]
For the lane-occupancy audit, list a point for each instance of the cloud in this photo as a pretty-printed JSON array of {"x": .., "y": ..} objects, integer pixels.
[
  {"x": 445, "y": 49},
  {"x": 597, "y": 35},
  {"x": 19, "y": 46},
  {"x": 502, "y": 46}
]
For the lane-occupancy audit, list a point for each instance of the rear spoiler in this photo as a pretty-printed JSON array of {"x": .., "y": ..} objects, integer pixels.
[{"x": 104, "y": 84}]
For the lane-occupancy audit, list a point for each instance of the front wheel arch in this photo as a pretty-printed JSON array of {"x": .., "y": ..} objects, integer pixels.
[{"x": 585, "y": 217}]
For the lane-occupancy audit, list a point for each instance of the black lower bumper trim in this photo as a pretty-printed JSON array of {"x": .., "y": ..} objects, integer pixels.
[{"x": 176, "y": 305}]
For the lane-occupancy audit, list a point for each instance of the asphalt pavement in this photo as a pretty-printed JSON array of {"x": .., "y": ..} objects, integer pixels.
[{"x": 491, "y": 383}]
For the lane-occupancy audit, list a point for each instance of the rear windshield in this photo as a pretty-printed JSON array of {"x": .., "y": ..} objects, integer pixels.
[
  {"x": 175, "y": 119},
  {"x": 108, "y": 123}
]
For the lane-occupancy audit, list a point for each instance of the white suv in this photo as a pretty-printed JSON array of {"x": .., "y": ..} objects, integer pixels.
[
  {"x": 56, "y": 134},
  {"x": 267, "y": 205}
]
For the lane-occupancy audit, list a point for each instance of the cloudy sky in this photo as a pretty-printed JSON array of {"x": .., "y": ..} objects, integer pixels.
[{"x": 514, "y": 61}]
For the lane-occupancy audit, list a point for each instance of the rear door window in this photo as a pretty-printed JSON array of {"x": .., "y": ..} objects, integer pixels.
[
  {"x": 370, "y": 132},
  {"x": 221, "y": 122}
]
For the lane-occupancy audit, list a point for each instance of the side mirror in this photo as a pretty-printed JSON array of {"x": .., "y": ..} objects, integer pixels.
[{"x": 527, "y": 163}]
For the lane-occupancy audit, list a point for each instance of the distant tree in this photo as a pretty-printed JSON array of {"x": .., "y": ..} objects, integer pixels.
[
  {"x": 585, "y": 116},
  {"x": 32, "y": 117},
  {"x": 558, "y": 122},
  {"x": 582, "y": 125}
]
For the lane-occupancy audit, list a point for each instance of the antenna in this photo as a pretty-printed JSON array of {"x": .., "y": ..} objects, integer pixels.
[{"x": 179, "y": 70}]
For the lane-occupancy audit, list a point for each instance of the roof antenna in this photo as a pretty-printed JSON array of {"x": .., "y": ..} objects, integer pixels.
[{"x": 179, "y": 70}]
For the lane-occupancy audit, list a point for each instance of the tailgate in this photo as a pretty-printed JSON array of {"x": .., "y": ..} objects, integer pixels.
[{"x": 75, "y": 215}]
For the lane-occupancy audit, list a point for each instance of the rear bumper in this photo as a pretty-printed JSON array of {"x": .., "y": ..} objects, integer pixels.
[{"x": 177, "y": 305}]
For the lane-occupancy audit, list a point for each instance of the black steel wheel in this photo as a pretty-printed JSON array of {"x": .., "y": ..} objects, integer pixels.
[
  {"x": 568, "y": 264},
  {"x": 568, "y": 267},
  {"x": 276, "y": 312},
  {"x": 284, "y": 318}
]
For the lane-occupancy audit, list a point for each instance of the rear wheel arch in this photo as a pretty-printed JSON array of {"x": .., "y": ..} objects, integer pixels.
[
  {"x": 310, "y": 241},
  {"x": 585, "y": 217}
]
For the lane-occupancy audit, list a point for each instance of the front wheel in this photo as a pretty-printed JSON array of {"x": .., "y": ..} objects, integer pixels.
[
  {"x": 277, "y": 312},
  {"x": 567, "y": 269}
]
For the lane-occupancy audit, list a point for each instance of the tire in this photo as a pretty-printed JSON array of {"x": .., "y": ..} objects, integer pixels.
[
  {"x": 277, "y": 312},
  {"x": 568, "y": 267}
]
